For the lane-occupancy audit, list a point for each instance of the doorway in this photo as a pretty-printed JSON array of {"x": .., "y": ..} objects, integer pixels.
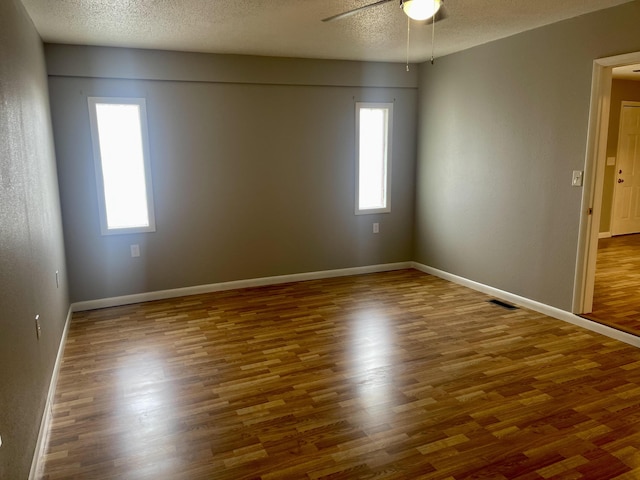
[
  {"x": 625, "y": 218},
  {"x": 602, "y": 169}
]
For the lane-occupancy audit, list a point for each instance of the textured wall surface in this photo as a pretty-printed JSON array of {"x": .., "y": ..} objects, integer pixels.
[
  {"x": 250, "y": 179},
  {"x": 502, "y": 126},
  {"x": 31, "y": 246}
]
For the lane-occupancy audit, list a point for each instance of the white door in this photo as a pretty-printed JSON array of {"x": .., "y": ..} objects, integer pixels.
[{"x": 626, "y": 196}]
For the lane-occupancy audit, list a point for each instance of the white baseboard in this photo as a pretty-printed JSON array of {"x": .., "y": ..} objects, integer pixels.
[
  {"x": 548, "y": 310},
  {"x": 299, "y": 277},
  {"x": 532, "y": 305},
  {"x": 43, "y": 433},
  {"x": 604, "y": 235},
  {"x": 218, "y": 287}
]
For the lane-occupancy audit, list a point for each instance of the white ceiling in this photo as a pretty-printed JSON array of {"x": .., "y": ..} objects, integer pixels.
[{"x": 293, "y": 28}]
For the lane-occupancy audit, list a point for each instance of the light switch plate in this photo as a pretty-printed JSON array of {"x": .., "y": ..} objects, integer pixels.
[
  {"x": 576, "y": 178},
  {"x": 135, "y": 250}
]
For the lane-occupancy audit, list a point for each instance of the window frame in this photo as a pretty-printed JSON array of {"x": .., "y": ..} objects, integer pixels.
[
  {"x": 97, "y": 158},
  {"x": 388, "y": 106}
]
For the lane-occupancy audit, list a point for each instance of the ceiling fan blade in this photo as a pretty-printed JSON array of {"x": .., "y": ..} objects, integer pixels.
[{"x": 355, "y": 10}]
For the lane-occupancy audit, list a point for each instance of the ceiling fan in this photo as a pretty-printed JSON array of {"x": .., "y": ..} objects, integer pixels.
[
  {"x": 421, "y": 10},
  {"x": 426, "y": 11}
]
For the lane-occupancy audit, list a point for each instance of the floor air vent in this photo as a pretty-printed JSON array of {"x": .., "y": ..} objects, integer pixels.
[{"x": 502, "y": 304}]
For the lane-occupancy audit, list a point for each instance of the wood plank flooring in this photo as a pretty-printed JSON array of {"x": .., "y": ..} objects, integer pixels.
[
  {"x": 616, "y": 299},
  {"x": 396, "y": 375}
]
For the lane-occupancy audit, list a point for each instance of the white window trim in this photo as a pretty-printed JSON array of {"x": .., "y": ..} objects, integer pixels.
[
  {"x": 141, "y": 102},
  {"x": 389, "y": 107}
]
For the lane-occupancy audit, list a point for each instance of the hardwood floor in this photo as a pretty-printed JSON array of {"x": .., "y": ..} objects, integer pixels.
[
  {"x": 616, "y": 299},
  {"x": 396, "y": 375}
]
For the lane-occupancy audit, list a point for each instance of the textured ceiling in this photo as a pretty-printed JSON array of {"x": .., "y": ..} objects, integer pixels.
[{"x": 292, "y": 28}]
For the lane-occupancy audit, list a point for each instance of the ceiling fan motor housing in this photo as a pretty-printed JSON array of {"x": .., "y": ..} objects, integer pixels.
[{"x": 420, "y": 9}]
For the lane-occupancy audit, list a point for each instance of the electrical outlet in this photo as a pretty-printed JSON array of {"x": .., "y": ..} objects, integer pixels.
[
  {"x": 38, "y": 329},
  {"x": 376, "y": 228},
  {"x": 135, "y": 250}
]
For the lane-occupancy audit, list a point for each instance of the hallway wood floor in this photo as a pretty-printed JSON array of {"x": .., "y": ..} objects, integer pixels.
[
  {"x": 396, "y": 375},
  {"x": 616, "y": 299}
]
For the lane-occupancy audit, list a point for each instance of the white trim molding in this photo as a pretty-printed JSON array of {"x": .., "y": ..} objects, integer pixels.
[
  {"x": 532, "y": 305},
  {"x": 594, "y": 173},
  {"x": 387, "y": 147},
  {"x": 106, "y": 189},
  {"x": 218, "y": 287},
  {"x": 45, "y": 424},
  {"x": 548, "y": 310},
  {"x": 301, "y": 277}
]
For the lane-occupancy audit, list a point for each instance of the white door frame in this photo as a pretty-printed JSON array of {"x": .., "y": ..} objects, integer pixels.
[{"x": 594, "y": 178}]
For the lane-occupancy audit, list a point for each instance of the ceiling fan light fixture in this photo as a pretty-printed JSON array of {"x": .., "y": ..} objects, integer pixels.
[{"x": 420, "y": 9}]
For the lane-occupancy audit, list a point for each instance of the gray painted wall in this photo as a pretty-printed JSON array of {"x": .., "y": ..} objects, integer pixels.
[
  {"x": 501, "y": 127},
  {"x": 252, "y": 176},
  {"x": 621, "y": 90},
  {"x": 31, "y": 246}
]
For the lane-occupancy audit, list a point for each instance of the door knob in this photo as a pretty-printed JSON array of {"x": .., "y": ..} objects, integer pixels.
[{"x": 620, "y": 180}]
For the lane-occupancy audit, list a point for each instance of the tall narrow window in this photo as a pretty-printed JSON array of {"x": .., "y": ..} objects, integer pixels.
[
  {"x": 121, "y": 155},
  {"x": 373, "y": 130}
]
